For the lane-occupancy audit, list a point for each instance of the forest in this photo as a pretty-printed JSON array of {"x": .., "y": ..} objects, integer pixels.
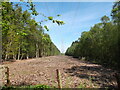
[
  {"x": 101, "y": 44},
  {"x": 22, "y": 36}
]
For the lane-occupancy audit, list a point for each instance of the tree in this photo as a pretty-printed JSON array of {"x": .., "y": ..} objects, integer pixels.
[
  {"x": 23, "y": 37},
  {"x": 101, "y": 44},
  {"x": 105, "y": 19}
]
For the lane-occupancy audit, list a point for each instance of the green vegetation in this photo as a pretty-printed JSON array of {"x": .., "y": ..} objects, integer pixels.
[
  {"x": 22, "y": 36},
  {"x": 82, "y": 86},
  {"x": 27, "y": 87},
  {"x": 102, "y": 43}
]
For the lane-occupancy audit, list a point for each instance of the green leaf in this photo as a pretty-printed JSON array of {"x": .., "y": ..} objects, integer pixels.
[
  {"x": 58, "y": 15},
  {"x": 46, "y": 28},
  {"x": 59, "y": 22},
  {"x": 50, "y": 18},
  {"x": 36, "y": 24},
  {"x": 22, "y": 0},
  {"x": 53, "y": 21}
]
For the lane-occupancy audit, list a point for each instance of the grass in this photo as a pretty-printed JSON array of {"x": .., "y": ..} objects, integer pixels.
[
  {"x": 26, "y": 87},
  {"x": 68, "y": 82},
  {"x": 54, "y": 84},
  {"x": 82, "y": 86}
]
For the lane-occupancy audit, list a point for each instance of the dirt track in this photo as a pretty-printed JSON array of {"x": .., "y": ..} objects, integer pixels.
[{"x": 74, "y": 73}]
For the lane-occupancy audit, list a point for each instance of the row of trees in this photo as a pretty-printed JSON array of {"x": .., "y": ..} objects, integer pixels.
[
  {"x": 102, "y": 43},
  {"x": 22, "y": 36}
]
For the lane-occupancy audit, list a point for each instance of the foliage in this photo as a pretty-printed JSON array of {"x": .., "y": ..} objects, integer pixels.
[
  {"x": 102, "y": 43},
  {"x": 26, "y": 87},
  {"x": 70, "y": 51},
  {"x": 22, "y": 36},
  {"x": 82, "y": 86}
]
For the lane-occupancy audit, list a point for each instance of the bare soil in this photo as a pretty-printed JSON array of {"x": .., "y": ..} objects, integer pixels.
[{"x": 74, "y": 73}]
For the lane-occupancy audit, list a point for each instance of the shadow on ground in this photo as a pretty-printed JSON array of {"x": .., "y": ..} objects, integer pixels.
[{"x": 96, "y": 74}]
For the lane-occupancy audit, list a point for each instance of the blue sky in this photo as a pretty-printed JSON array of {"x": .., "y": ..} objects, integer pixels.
[{"x": 78, "y": 17}]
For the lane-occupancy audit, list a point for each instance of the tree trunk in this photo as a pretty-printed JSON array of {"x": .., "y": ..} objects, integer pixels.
[
  {"x": 27, "y": 56},
  {"x": 21, "y": 57},
  {"x": 18, "y": 53},
  {"x": 14, "y": 56},
  {"x": 6, "y": 57},
  {"x": 40, "y": 54},
  {"x": 37, "y": 51}
]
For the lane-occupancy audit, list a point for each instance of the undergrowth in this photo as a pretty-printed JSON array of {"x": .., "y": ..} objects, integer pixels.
[{"x": 26, "y": 87}]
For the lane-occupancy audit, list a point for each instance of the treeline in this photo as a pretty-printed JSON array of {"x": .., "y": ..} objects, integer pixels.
[
  {"x": 101, "y": 44},
  {"x": 22, "y": 36}
]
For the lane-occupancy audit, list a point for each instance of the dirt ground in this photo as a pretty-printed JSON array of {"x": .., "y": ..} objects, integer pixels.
[{"x": 74, "y": 73}]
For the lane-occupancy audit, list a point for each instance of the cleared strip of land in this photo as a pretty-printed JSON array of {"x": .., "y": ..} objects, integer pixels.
[{"x": 74, "y": 72}]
